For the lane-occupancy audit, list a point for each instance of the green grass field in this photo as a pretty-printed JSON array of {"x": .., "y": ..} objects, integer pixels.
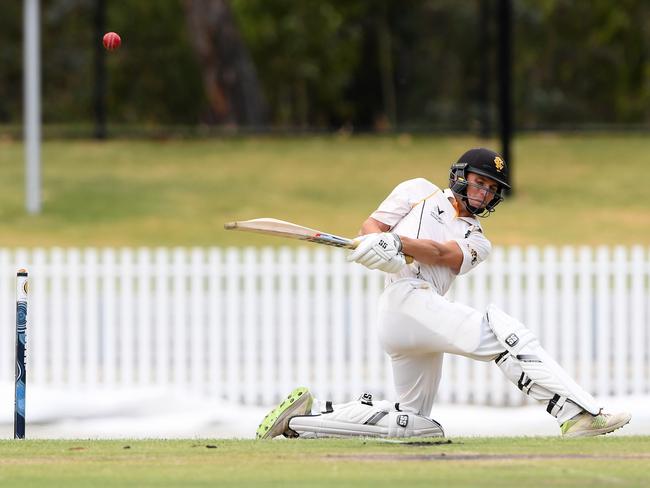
[
  {"x": 467, "y": 462},
  {"x": 571, "y": 189}
]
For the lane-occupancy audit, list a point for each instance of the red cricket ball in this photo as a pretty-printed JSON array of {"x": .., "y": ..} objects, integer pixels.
[{"x": 112, "y": 41}]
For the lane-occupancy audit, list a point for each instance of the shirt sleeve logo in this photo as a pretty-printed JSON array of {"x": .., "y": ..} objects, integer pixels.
[
  {"x": 473, "y": 228},
  {"x": 474, "y": 255}
]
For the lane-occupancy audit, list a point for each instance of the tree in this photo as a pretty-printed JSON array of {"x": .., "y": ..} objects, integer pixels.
[{"x": 229, "y": 76}]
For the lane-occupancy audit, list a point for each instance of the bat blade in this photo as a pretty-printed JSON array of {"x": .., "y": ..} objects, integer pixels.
[{"x": 290, "y": 230}]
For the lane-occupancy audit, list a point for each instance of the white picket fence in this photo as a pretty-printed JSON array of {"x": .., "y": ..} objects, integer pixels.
[{"x": 247, "y": 325}]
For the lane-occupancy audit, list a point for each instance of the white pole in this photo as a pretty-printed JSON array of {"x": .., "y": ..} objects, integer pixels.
[{"x": 32, "y": 105}]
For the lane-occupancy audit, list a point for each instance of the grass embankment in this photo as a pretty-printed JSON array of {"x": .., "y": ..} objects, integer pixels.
[
  {"x": 570, "y": 189},
  {"x": 503, "y": 462}
]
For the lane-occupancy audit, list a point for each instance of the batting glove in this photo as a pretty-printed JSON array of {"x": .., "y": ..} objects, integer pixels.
[{"x": 379, "y": 251}]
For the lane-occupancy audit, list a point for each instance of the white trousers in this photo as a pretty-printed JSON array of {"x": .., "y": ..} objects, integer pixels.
[{"x": 417, "y": 326}]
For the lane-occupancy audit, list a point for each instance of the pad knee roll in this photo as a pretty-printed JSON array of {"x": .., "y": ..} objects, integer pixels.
[{"x": 538, "y": 368}]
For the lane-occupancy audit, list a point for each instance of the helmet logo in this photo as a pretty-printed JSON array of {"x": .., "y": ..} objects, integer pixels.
[{"x": 499, "y": 164}]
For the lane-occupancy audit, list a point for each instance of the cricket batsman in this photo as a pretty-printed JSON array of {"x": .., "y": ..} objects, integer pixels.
[{"x": 417, "y": 325}]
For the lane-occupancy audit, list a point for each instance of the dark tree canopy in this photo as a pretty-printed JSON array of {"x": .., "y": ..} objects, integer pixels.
[{"x": 326, "y": 64}]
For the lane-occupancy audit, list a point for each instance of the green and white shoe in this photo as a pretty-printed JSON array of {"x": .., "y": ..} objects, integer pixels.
[
  {"x": 276, "y": 421},
  {"x": 588, "y": 425}
]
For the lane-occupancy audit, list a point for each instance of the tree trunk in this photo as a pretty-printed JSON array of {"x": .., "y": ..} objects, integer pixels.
[
  {"x": 229, "y": 76},
  {"x": 386, "y": 70}
]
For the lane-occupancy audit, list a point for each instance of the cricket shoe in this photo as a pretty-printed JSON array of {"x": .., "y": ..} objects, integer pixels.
[
  {"x": 276, "y": 422},
  {"x": 588, "y": 425}
]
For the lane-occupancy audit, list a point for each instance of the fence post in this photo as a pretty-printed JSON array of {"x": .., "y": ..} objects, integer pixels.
[
  {"x": 215, "y": 322},
  {"x": 126, "y": 321},
  {"x": 567, "y": 315},
  {"x": 269, "y": 321},
  {"x": 585, "y": 320},
  {"x": 7, "y": 312},
  {"x": 620, "y": 322},
  {"x": 321, "y": 324},
  {"x": 515, "y": 302},
  {"x": 40, "y": 331},
  {"x": 109, "y": 305},
  {"x": 73, "y": 318},
  {"x": 57, "y": 327},
  {"x": 603, "y": 321},
  {"x": 338, "y": 344},
  {"x": 304, "y": 318},
  {"x": 143, "y": 323},
  {"x": 232, "y": 326},
  {"x": 162, "y": 314},
  {"x": 179, "y": 313},
  {"x": 197, "y": 320},
  {"x": 638, "y": 322},
  {"x": 249, "y": 326},
  {"x": 356, "y": 374},
  {"x": 285, "y": 329},
  {"x": 550, "y": 310}
]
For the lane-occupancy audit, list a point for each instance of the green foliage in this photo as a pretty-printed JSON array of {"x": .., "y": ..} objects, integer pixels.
[
  {"x": 305, "y": 53},
  {"x": 328, "y": 64},
  {"x": 319, "y": 60},
  {"x": 574, "y": 62},
  {"x": 582, "y": 62},
  {"x": 67, "y": 60},
  {"x": 10, "y": 64},
  {"x": 154, "y": 77}
]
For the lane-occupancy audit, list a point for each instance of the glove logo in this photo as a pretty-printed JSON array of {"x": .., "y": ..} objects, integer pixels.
[
  {"x": 383, "y": 244},
  {"x": 402, "y": 420},
  {"x": 512, "y": 340}
]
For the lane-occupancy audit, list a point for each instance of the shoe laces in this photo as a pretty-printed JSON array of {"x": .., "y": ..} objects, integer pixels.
[{"x": 601, "y": 419}]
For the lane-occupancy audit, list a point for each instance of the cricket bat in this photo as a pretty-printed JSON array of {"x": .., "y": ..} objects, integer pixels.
[{"x": 282, "y": 228}]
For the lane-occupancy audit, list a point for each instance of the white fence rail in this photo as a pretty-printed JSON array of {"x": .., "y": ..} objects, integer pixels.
[{"x": 247, "y": 325}]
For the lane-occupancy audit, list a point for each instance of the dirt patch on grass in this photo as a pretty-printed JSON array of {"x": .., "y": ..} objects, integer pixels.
[{"x": 479, "y": 457}]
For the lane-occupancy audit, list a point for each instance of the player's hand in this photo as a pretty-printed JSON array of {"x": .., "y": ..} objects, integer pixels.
[{"x": 379, "y": 251}]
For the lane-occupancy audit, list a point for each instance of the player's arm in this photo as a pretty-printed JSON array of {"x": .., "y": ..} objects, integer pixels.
[
  {"x": 372, "y": 226},
  {"x": 435, "y": 253},
  {"x": 397, "y": 205}
]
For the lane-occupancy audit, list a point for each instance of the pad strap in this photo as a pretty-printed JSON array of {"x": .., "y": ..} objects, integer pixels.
[{"x": 537, "y": 367}]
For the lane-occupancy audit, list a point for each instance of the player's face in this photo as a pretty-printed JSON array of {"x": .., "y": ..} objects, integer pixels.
[{"x": 480, "y": 190}]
